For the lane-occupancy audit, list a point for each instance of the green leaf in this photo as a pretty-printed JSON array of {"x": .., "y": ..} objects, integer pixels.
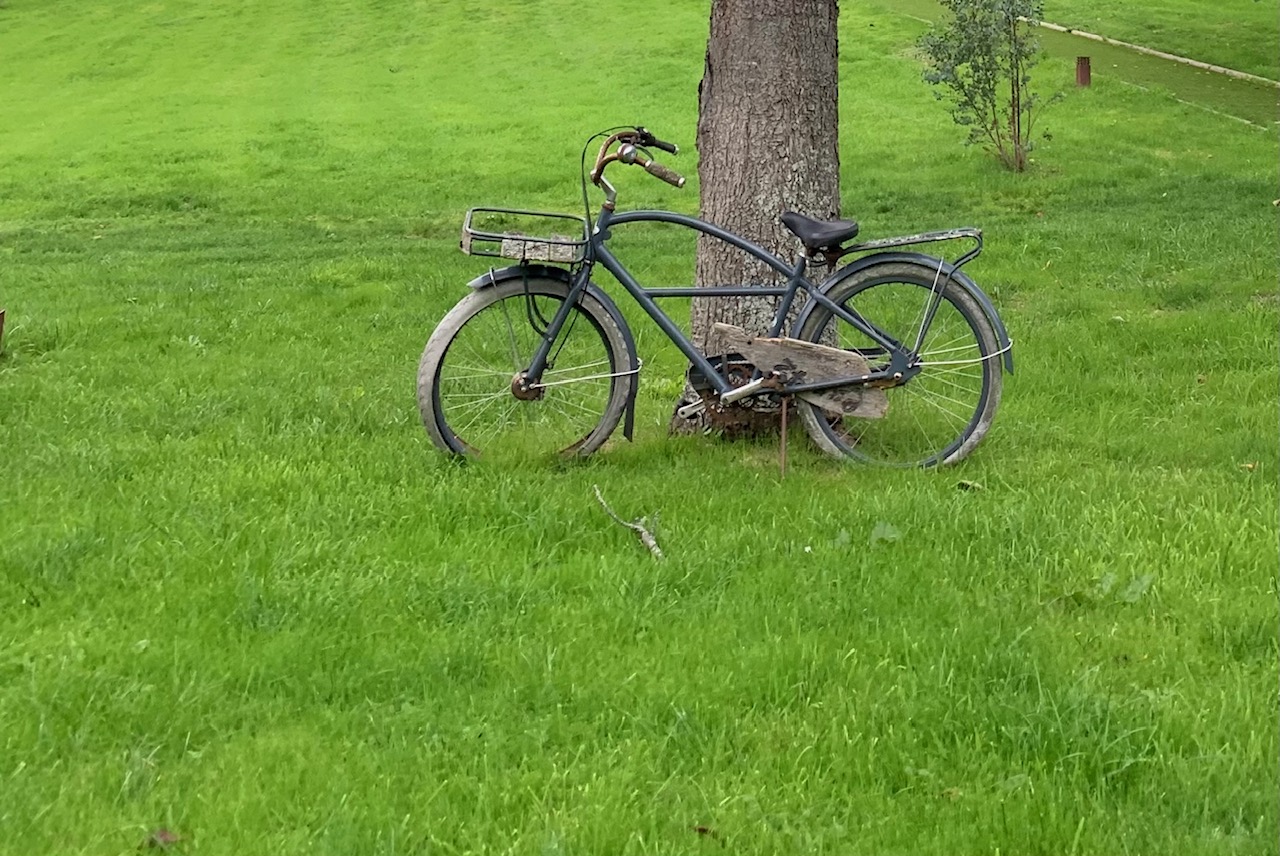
[{"x": 885, "y": 532}]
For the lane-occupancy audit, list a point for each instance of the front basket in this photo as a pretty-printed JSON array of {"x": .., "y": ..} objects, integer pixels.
[{"x": 508, "y": 233}]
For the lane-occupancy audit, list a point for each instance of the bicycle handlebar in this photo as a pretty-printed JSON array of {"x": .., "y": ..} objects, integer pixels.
[{"x": 631, "y": 148}]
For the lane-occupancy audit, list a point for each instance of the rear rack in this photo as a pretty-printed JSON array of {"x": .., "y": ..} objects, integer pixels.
[
  {"x": 969, "y": 233},
  {"x": 501, "y": 233}
]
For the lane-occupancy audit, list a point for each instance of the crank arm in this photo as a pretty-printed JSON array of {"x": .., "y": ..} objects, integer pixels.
[
  {"x": 769, "y": 382},
  {"x": 691, "y": 410}
]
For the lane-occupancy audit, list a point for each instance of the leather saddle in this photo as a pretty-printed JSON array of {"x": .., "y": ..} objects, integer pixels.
[{"x": 819, "y": 235}]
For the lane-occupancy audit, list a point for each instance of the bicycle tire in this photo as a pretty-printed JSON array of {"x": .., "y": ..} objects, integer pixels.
[
  {"x": 465, "y": 375},
  {"x": 941, "y": 414}
]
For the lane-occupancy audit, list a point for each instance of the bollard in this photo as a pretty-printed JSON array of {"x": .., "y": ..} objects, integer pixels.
[{"x": 1083, "y": 74}]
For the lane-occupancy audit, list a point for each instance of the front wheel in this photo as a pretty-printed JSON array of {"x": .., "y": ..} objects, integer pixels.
[
  {"x": 468, "y": 393},
  {"x": 939, "y": 415}
]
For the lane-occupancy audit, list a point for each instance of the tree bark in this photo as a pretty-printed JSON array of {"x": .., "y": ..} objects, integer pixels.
[{"x": 767, "y": 142}]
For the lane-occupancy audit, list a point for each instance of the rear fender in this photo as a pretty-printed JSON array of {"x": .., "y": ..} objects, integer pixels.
[
  {"x": 947, "y": 269},
  {"x": 526, "y": 271}
]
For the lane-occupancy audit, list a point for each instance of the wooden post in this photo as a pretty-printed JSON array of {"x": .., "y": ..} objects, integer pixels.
[{"x": 1084, "y": 75}]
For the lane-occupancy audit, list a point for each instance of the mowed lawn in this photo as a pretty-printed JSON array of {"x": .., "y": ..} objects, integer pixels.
[
  {"x": 1238, "y": 34},
  {"x": 245, "y": 604}
]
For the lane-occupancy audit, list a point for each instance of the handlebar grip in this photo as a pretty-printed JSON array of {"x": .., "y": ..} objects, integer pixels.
[
  {"x": 669, "y": 148},
  {"x": 671, "y": 177}
]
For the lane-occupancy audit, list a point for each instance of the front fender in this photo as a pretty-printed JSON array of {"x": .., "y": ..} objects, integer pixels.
[
  {"x": 528, "y": 271},
  {"x": 947, "y": 268},
  {"x": 493, "y": 277}
]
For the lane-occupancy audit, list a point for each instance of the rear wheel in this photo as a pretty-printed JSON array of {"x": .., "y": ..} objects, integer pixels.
[
  {"x": 939, "y": 415},
  {"x": 468, "y": 394}
]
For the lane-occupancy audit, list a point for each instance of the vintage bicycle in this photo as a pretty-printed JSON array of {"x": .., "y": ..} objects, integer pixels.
[{"x": 896, "y": 357}]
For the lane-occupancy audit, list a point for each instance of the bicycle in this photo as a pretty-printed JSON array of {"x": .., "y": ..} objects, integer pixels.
[{"x": 896, "y": 357}]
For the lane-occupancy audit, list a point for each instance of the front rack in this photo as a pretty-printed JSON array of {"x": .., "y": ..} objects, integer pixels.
[{"x": 505, "y": 233}]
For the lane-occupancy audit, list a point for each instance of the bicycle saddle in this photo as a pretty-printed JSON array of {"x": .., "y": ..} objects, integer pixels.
[{"x": 819, "y": 234}]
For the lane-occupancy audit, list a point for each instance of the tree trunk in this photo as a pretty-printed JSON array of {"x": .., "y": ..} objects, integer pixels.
[{"x": 767, "y": 142}]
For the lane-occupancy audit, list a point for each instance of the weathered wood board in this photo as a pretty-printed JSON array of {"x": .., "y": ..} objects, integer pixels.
[
  {"x": 809, "y": 362},
  {"x": 531, "y": 249}
]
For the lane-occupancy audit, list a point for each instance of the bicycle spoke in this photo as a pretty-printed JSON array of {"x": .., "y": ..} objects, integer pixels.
[
  {"x": 511, "y": 336},
  {"x": 479, "y": 373},
  {"x": 579, "y": 406},
  {"x": 935, "y": 401},
  {"x": 939, "y": 379}
]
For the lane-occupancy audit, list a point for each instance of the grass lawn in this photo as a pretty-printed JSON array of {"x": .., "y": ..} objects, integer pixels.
[
  {"x": 1238, "y": 34},
  {"x": 243, "y": 600}
]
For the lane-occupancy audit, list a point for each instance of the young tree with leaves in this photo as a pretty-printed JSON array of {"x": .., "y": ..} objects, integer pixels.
[{"x": 984, "y": 55}]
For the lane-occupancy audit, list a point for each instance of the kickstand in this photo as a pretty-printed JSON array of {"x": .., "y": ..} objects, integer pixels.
[{"x": 782, "y": 462}]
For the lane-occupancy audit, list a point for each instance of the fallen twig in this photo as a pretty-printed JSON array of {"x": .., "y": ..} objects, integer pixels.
[{"x": 637, "y": 526}]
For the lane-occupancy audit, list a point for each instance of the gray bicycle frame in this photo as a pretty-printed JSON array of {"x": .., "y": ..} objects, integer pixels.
[{"x": 596, "y": 251}]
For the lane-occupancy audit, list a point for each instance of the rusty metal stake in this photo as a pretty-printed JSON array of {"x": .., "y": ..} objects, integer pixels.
[
  {"x": 1084, "y": 75},
  {"x": 1, "y": 331},
  {"x": 783, "y": 457}
]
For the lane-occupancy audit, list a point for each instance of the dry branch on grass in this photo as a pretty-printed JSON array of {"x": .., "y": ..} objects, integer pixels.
[{"x": 637, "y": 526}]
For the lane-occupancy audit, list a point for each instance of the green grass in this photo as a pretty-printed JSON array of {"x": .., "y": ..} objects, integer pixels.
[
  {"x": 1238, "y": 34},
  {"x": 242, "y": 598}
]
